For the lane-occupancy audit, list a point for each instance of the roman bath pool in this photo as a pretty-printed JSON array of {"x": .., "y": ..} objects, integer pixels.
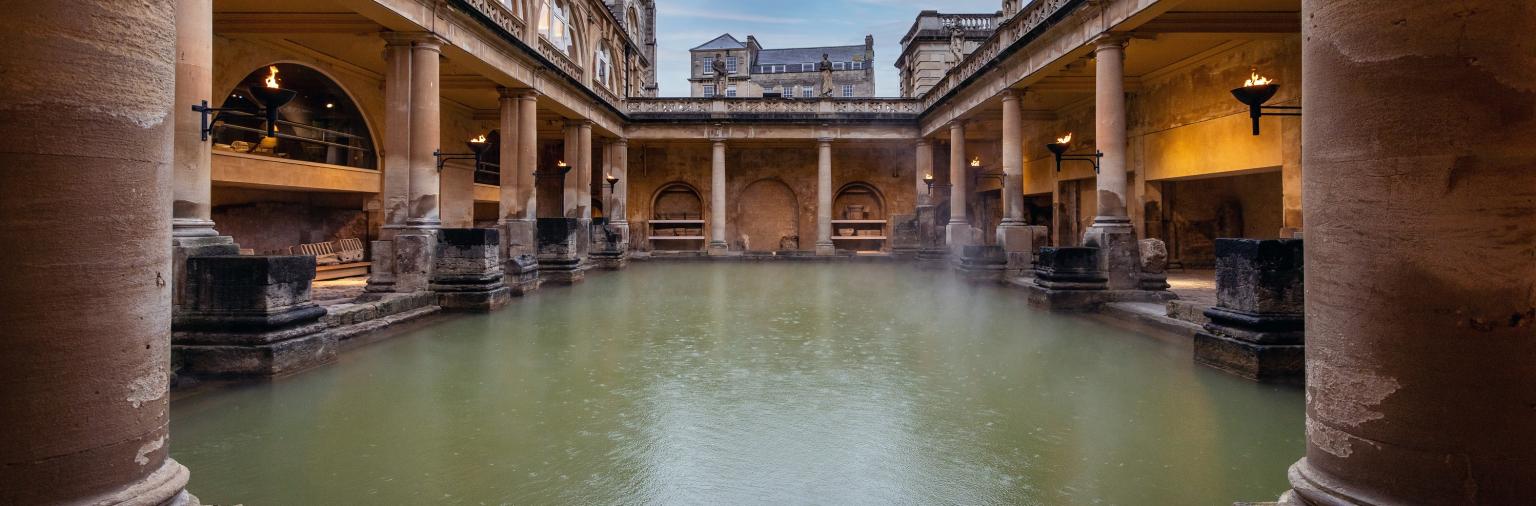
[{"x": 772, "y": 383}]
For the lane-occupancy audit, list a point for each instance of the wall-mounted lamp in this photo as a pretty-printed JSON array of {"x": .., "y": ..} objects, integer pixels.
[
  {"x": 477, "y": 147},
  {"x": 1257, "y": 90},
  {"x": 928, "y": 180},
  {"x": 270, "y": 97},
  {"x": 1059, "y": 148},
  {"x": 976, "y": 161},
  {"x": 613, "y": 181}
]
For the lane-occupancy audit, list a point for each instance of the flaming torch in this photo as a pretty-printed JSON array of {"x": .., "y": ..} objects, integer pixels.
[
  {"x": 1059, "y": 148},
  {"x": 271, "y": 97},
  {"x": 1257, "y": 90}
]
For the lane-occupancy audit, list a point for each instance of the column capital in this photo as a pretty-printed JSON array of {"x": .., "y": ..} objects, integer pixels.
[
  {"x": 717, "y": 133},
  {"x": 621, "y": 141},
  {"x": 958, "y": 124},
  {"x": 424, "y": 39},
  {"x": 1011, "y": 94},
  {"x": 1110, "y": 40},
  {"x": 506, "y": 92},
  {"x": 923, "y": 141},
  {"x": 825, "y": 139}
]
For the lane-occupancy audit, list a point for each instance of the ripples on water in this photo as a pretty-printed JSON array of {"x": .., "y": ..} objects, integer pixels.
[{"x": 749, "y": 384}]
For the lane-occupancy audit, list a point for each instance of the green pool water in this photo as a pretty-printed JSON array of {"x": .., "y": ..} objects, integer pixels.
[{"x": 773, "y": 383}]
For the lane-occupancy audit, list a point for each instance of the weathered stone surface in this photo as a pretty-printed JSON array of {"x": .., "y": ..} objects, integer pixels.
[
  {"x": 1119, "y": 255},
  {"x": 1255, "y": 329},
  {"x": 250, "y": 316},
  {"x": 1069, "y": 268},
  {"x": 381, "y": 274},
  {"x": 183, "y": 248},
  {"x": 558, "y": 257},
  {"x": 609, "y": 249},
  {"x": 1021, "y": 243},
  {"x": 982, "y": 263},
  {"x": 521, "y": 274},
  {"x": 1154, "y": 264},
  {"x": 905, "y": 241},
  {"x": 414, "y": 252},
  {"x": 468, "y": 273}
]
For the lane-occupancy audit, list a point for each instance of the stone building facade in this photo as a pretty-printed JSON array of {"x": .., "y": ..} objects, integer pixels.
[
  {"x": 936, "y": 42},
  {"x": 1416, "y": 182},
  {"x": 753, "y": 71}
]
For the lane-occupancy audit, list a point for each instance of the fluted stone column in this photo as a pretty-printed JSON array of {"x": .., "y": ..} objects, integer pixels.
[
  {"x": 824, "y": 196},
  {"x": 717, "y": 245},
  {"x": 1420, "y": 189},
  {"x": 396, "y": 188},
  {"x": 1111, "y": 231},
  {"x": 86, "y": 142},
  {"x": 415, "y": 247},
  {"x": 958, "y": 233},
  {"x": 192, "y": 232}
]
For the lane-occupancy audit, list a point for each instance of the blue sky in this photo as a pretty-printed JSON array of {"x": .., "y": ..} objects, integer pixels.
[{"x": 683, "y": 24}]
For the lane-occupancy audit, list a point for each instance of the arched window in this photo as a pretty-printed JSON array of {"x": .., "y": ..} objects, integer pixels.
[
  {"x": 555, "y": 25},
  {"x": 321, "y": 124},
  {"x": 604, "y": 66}
]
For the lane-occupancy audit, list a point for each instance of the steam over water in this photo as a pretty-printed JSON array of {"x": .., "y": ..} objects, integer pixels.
[{"x": 769, "y": 383}]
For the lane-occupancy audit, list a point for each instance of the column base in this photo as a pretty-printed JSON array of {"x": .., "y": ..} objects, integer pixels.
[
  {"x": 1119, "y": 252},
  {"x": 956, "y": 235},
  {"x": 184, "y": 247},
  {"x": 558, "y": 261},
  {"x": 1019, "y": 243},
  {"x": 167, "y": 486},
  {"x": 1278, "y": 363},
  {"x": 183, "y": 227},
  {"x": 467, "y": 275},
  {"x": 521, "y": 275},
  {"x": 718, "y": 248},
  {"x": 981, "y": 263},
  {"x": 381, "y": 272},
  {"x": 249, "y": 316},
  {"x": 825, "y": 248},
  {"x": 415, "y": 251}
]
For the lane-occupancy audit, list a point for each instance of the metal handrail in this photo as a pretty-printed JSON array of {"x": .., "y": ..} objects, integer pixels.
[{"x": 281, "y": 135}]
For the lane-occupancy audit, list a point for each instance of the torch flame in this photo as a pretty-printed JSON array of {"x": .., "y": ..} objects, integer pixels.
[
  {"x": 976, "y": 162},
  {"x": 1067, "y": 139},
  {"x": 1257, "y": 80},
  {"x": 561, "y": 163},
  {"x": 478, "y": 140},
  {"x": 272, "y": 76},
  {"x": 928, "y": 177}
]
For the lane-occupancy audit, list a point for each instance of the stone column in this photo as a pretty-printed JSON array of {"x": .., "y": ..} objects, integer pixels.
[
  {"x": 527, "y": 152},
  {"x": 510, "y": 206},
  {"x": 396, "y": 188},
  {"x": 717, "y": 245},
  {"x": 192, "y": 232},
  {"x": 1017, "y": 239},
  {"x": 1420, "y": 190},
  {"x": 584, "y": 169},
  {"x": 426, "y": 136},
  {"x": 924, "y": 169},
  {"x": 86, "y": 198},
  {"x": 824, "y": 196},
  {"x": 415, "y": 247},
  {"x": 958, "y": 233},
  {"x": 1111, "y": 230},
  {"x": 619, "y": 215},
  {"x": 571, "y": 183}
]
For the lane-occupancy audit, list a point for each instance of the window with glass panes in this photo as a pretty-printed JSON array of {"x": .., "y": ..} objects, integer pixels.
[{"x": 847, "y": 90}]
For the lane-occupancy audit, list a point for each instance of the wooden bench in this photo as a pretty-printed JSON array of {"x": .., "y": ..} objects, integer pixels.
[{"x": 335, "y": 261}]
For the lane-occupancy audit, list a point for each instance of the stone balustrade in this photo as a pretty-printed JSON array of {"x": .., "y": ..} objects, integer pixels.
[
  {"x": 1037, "y": 16},
  {"x": 774, "y": 108}
]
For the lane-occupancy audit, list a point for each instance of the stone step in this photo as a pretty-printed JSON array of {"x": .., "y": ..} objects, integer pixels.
[{"x": 1189, "y": 310}]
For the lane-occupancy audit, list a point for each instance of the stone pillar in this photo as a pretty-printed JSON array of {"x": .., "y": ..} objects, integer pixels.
[
  {"x": 958, "y": 233},
  {"x": 192, "y": 232},
  {"x": 717, "y": 245},
  {"x": 86, "y": 196},
  {"x": 572, "y": 181},
  {"x": 509, "y": 208},
  {"x": 1111, "y": 231},
  {"x": 416, "y": 246},
  {"x": 924, "y": 168},
  {"x": 1017, "y": 239},
  {"x": 824, "y": 196},
  {"x": 426, "y": 135},
  {"x": 611, "y": 239},
  {"x": 584, "y": 169},
  {"x": 619, "y": 216},
  {"x": 251, "y": 316},
  {"x": 396, "y": 159},
  {"x": 1420, "y": 188},
  {"x": 519, "y": 226}
]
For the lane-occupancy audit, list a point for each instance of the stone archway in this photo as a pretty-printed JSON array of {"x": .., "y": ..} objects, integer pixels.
[{"x": 768, "y": 217}]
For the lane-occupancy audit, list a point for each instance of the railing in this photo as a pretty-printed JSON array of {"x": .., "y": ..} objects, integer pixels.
[
  {"x": 969, "y": 21},
  {"x": 559, "y": 58},
  {"x": 1034, "y": 16},
  {"x": 775, "y": 108}
]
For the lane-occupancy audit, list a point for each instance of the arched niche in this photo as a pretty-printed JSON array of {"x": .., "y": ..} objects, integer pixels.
[
  {"x": 322, "y": 123},
  {"x": 677, "y": 218},
  {"x": 768, "y": 216},
  {"x": 862, "y": 195}
]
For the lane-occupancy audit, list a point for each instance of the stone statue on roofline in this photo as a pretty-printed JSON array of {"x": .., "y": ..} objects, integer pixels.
[
  {"x": 957, "y": 42},
  {"x": 722, "y": 75},
  {"x": 826, "y": 75}
]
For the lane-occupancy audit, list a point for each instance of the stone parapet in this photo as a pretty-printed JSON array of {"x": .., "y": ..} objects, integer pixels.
[
  {"x": 905, "y": 238},
  {"x": 250, "y": 316},
  {"x": 1256, "y": 328},
  {"x": 610, "y": 249},
  {"x": 981, "y": 263}
]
